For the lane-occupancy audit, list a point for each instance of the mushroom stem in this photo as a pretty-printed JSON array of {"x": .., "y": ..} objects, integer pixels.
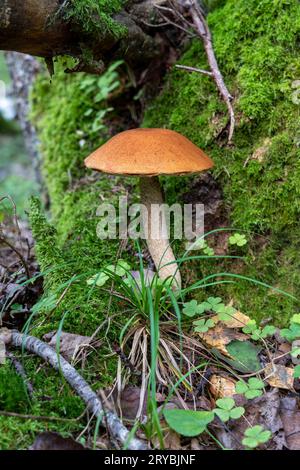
[{"x": 156, "y": 233}]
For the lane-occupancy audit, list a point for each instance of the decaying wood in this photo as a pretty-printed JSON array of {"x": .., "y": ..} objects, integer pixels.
[
  {"x": 79, "y": 385},
  {"x": 39, "y": 28}
]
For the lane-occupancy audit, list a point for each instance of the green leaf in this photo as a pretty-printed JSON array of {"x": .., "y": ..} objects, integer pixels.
[
  {"x": 295, "y": 318},
  {"x": 295, "y": 352},
  {"x": 224, "y": 415},
  {"x": 98, "y": 279},
  {"x": 255, "y": 436},
  {"x": 250, "y": 442},
  {"x": 214, "y": 302},
  {"x": 291, "y": 333},
  {"x": 241, "y": 387},
  {"x": 297, "y": 372},
  {"x": 237, "y": 412},
  {"x": 187, "y": 422},
  {"x": 244, "y": 355},
  {"x": 225, "y": 313},
  {"x": 255, "y": 383},
  {"x": 250, "y": 394},
  {"x": 268, "y": 330},
  {"x": 237, "y": 239},
  {"x": 225, "y": 403},
  {"x": 120, "y": 269},
  {"x": 190, "y": 308},
  {"x": 202, "y": 326}
]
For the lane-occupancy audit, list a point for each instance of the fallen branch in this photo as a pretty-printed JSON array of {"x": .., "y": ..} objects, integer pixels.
[
  {"x": 204, "y": 32},
  {"x": 179, "y": 10},
  {"x": 193, "y": 69},
  {"x": 79, "y": 385}
]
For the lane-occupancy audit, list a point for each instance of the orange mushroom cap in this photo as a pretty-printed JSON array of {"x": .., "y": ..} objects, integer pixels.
[{"x": 149, "y": 152}]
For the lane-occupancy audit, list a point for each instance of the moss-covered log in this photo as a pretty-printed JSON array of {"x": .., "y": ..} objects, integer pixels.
[{"x": 90, "y": 30}]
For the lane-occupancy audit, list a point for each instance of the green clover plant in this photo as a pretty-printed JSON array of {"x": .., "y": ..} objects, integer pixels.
[{"x": 251, "y": 389}]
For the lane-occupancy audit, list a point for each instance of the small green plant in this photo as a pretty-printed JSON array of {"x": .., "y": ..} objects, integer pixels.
[
  {"x": 202, "y": 244},
  {"x": 291, "y": 333},
  {"x": 187, "y": 422},
  {"x": 296, "y": 318},
  {"x": 225, "y": 312},
  {"x": 255, "y": 436},
  {"x": 258, "y": 333},
  {"x": 251, "y": 389},
  {"x": 297, "y": 372},
  {"x": 237, "y": 239},
  {"x": 192, "y": 308},
  {"x": 227, "y": 410},
  {"x": 202, "y": 326}
]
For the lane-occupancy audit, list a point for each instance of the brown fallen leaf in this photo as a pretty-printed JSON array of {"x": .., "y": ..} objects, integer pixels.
[
  {"x": 237, "y": 320},
  {"x": 69, "y": 343},
  {"x": 53, "y": 441},
  {"x": 219, "y": 336},
  {"x": 265, "y": 411},
  {"x": 279, "y": 376},
  {"x": 290, "y": 415},
  {"x": 221, "y": 387},
  {"x": 171, "y": 438}
]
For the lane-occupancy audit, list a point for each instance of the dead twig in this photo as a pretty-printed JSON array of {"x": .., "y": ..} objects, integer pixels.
[
  {"x": 80, "y": 386},
  {"x": 204, "y": 32},
  {"x": 193, "y": 69},
  {"x": 199, "y": 25},
  {"x": 21, "y": 257}
]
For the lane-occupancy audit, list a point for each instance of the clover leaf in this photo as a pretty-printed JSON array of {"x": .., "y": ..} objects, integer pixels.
[
  {"x": 208, "y": 251},
  {"x": 227, "y": 410},
  {"x": 225, "y": 312},
  {"x": 237, "y": 239},
  {"x": 251, "y": 389},
  {"x": 256, "y": 332},
  {"x": 98, "y": 279},
  {"x": 297, "y": 372},
  {"x": 202, "y": 326},
  {"x": 291, "y": 333},
  {"x": 255, "y": 436},
  {"x": 295, "y": 318},
  {"x": 190, "y": 308}
]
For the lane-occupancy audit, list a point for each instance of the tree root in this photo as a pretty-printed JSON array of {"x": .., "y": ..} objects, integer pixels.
[{"x": 80, "y": 386}]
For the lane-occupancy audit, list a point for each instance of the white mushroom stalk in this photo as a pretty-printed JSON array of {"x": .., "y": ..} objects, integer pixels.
[{"x": 156, "y": 231}]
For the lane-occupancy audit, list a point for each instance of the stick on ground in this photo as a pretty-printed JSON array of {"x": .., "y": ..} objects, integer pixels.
[{"x": 79, "y": 385}]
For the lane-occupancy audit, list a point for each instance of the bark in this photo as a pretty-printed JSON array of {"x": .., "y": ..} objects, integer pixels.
[
  {"x": 36, "y": 27},
  {"x": 80, "y": 386}
]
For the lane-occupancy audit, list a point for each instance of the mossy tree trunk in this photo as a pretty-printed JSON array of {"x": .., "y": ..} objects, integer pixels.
[{"x": 88, "y": 30}]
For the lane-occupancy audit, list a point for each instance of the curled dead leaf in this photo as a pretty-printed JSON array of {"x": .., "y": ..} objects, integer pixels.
[
  {"x": 237, "y": 320},
  {"x": 279, "y": 376},
  {"x": 221, "y": 387},
  {"x": 69, "y": 345},
  {"x": 219, "y": 336}
]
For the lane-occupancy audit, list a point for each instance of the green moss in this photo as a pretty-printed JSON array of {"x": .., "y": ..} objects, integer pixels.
[
  {"x": 94, "y": 17},
  {"x": 71, "y": 115},
  {"x": 257, "y": 46},
  {"x": 51, "y": 398},
  {"x": 12, "y": 391}
]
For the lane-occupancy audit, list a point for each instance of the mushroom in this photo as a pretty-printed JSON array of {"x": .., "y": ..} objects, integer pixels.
[{"x": 148, "y": 153}]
